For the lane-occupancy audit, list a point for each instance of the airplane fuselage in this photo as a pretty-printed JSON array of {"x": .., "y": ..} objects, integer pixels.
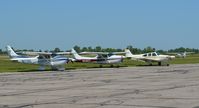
[
  {"x": 34, "y": 60},
  {"x": 26, "y": 60},
  {"x": 109, "y": 60}
]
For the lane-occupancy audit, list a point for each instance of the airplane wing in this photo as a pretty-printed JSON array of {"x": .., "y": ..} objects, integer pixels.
[
  {"x": 88, "y": 53},
  {"x": 63, "y": 53},
  {"x": 118, "y": 53},
  {"x": 146, "y": 60},
  {"x": 136, "y": 59},
  {"x": 44, "y": 53},
  {"x": 172, "y": 53},
  {"x": 36, "y": 53},
  {"x": 102, "y": 53},
  {"x": 190, "y": 52},
  {"x": 149, "y": 59}
]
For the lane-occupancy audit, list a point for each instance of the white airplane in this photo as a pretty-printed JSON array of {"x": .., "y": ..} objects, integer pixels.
[
  {"x": 150, "y": 57},
  {"x": 101, "y": 58},
  {"x": 182, "y": 55},
  {"x": 56, "y": 62}
]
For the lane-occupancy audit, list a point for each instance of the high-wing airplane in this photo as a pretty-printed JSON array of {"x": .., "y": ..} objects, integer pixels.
[
  {"x": 57, "y": 62},
  {"x": 150, "y": 57},
  {"x": 182, "y": 54},
  {"x": 101, "y": 58}
]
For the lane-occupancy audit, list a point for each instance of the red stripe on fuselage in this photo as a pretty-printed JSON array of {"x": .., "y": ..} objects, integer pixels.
[{"x": 87, "y": 60}]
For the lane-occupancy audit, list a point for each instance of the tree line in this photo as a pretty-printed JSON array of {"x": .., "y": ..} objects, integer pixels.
[
  {"x": 130, "y": 47},
  {"x": 134, "y": 50}
]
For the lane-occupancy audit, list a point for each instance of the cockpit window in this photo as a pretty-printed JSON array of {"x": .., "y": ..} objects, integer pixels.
[
  {"x": 154, "y": 54},
  {"x": 102, "y": 56},
  {"x": 145, "y": 55},
  {"x": 149, "y": 54},
  {"x": 110, "y": 54}
]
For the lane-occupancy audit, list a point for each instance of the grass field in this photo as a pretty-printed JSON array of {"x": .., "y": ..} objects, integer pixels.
[
  {"x": 8, "y": 66},
  {"x": 191, "y": 59}
]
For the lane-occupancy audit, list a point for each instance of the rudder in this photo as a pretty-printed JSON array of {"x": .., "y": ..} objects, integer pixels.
[
  {"x": 75, "y": 54},
  {"x": 11, "y": 52},
  {"x": 128, "y": 53}
]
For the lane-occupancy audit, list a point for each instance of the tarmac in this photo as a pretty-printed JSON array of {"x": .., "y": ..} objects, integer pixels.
[{"x": 175, "y": 86}]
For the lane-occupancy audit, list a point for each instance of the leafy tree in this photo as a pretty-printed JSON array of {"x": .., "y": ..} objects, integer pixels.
[
  {"x": 90, "y": 48},
  {"x": 137, "y": 51},
  {"x": 84, "y": 49},
  {"x": 56, "y": 50},
  {"x": 130, "y": 47},
  {"x": 161, "y": 51},
  {"x": 98, "y": 48},
  {"x": 119, "y": 50},
  {"x": 148, "y": 49},
  {"x": 182, "y": 49},
  {"x": 77, "y": 48},
  {"x": 134, "y": 50}
]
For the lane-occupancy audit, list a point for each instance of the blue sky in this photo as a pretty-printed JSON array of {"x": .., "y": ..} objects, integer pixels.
[{"x": 46, "y": 24}]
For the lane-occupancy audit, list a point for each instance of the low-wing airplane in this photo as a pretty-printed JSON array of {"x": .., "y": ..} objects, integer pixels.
[
  {"x": 57, "y": 62},
  {"x": 150, "y": 57},
  {"x": 101, "y": 58}
]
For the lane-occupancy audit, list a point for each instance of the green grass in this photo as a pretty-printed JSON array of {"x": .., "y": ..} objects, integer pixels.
[
  {"x": 8, "y": 66},
  {"x": 191, "y": 59}
]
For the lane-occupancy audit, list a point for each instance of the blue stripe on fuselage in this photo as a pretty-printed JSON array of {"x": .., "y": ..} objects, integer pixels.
[{"x": 60, "y": 58}]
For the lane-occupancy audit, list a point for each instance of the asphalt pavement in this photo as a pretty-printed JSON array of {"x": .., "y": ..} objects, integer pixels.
[{"x": 175, "y": 86}]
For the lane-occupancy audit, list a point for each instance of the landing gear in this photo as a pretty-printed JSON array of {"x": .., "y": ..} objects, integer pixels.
[
  {"x": 159, "y": 63},
  {"x": 112, "y": 66},
  {"x": 150, "y": 64},
  {"x": 58, "y": 68},
  {"x": 42, "y": 68}
]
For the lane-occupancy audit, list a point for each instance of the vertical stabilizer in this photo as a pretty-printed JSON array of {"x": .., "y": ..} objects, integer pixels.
[
  {"x": 184, "y": 54},
  {"x": 75, "y": 54},
  {"x": 128, "y": 53},
  {"x": 11, "y": 52}
]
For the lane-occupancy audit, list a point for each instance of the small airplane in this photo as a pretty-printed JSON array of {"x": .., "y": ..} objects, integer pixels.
[
  {"x": 56, "y": 61},
  {"x": 150, "y": 57},
  {"x": 182, "y": 54},
  {"x": 101, "y": 58}
]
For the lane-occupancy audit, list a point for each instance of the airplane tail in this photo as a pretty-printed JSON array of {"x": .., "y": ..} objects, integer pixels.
[
  {"x": 75, "y": 54},
  {"x": 11, "y": 52},
  {"x": 184, "y": 54},
  {"x": 128, "y": 53}
]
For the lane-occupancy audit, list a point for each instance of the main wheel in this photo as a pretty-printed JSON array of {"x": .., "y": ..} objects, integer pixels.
[{"x": 159, "y": 63}]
